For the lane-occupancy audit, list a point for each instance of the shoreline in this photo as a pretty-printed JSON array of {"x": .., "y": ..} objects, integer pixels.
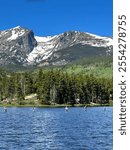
[{"x": 56, "y": 106}]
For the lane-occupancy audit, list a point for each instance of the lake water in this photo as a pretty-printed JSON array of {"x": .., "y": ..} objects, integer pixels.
[{"x": 55, "y": 129}]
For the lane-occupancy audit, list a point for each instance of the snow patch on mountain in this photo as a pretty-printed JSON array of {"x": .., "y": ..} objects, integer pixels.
[
  {"x": 39, "y": 53},
  {"x": 44, "y": 39},
  {"x": 16, "y": 32},
  {"x": 43, "y": 50},
  {"x": 98, "y": 41}
]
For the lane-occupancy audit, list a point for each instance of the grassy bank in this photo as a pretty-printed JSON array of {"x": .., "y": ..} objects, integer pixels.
[{"x": 55, "y": 106}]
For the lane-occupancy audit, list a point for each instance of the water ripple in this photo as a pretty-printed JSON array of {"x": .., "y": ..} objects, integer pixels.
[{"x": 55, "y": 129}]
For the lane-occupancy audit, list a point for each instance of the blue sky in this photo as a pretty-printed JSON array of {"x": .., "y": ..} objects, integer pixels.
[{"x": 50, "y": 17}]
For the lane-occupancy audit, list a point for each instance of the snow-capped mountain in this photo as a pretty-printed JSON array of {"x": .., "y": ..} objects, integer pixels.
[
  {"x": 20, "y": 46},
  {"x": 15, "y": 45}
]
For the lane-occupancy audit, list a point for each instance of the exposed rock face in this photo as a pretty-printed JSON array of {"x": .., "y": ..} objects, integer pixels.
[
  {"x": 15, "y": 45},
  {"x": 20, "y": 46}
]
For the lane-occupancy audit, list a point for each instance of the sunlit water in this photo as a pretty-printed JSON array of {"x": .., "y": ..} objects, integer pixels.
[{"x": 56, "y": 129}]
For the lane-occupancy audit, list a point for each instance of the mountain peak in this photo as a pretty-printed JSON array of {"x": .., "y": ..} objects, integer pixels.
[
  {"x": 16, "y": 32},
  {"x": 18, "y": 28},
  {"x": 15, "y": 44},
  {"x": 18, "y": 45}
]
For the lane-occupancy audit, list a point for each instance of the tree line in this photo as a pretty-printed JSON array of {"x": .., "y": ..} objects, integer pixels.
[{"x": 55, "y": 87}]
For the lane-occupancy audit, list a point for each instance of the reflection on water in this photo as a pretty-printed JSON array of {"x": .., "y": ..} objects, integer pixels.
[{"x": 56, "y": 129}]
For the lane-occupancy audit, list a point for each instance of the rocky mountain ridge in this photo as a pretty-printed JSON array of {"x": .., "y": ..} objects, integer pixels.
[{"x": 21, "y": 47}]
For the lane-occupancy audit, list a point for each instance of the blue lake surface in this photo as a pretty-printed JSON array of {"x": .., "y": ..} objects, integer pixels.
[{"x": 55, "y": 129}]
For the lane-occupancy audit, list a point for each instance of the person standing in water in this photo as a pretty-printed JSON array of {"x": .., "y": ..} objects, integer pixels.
[
  {"x": 85, "y": 108},
  {"x": 5, "y": 109},
  {"x": 66, "y": 108},
  {"x": 33, "y": 108}
]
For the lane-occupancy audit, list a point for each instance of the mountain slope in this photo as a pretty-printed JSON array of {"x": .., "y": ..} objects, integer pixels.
[
  {"x": 15, "y": 45},
  {"x": 20, "y": 46}
]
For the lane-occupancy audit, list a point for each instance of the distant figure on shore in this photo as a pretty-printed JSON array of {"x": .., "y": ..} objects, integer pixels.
[
  {"x": 66, "y": 108},
  {"x": 5, "y": 109}
]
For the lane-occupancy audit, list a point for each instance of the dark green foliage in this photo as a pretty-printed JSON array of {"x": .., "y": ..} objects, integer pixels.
[{"x": 55, "y": 87}]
